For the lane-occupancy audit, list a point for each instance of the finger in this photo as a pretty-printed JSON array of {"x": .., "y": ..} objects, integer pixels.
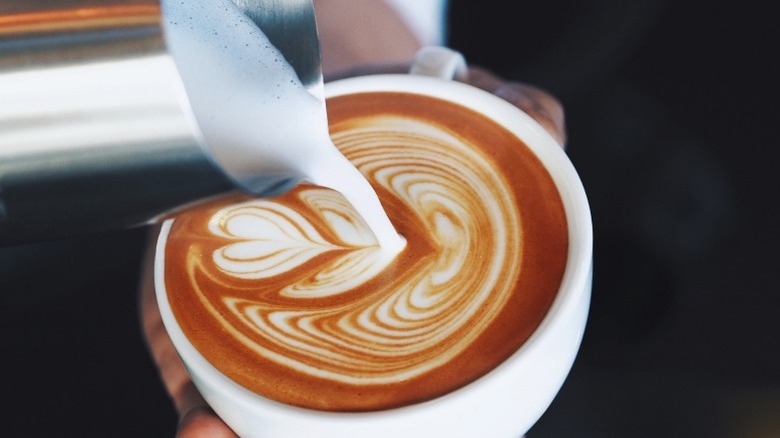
[
  {"x": 538, "y": 104},
  {"x": 196, "y": 419},
  {"x": 201, "y": 422},
  {"x": 172, "y": 372}
]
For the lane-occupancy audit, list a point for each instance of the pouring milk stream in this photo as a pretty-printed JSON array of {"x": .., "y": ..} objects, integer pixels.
[{"x": 243, "y": 93}]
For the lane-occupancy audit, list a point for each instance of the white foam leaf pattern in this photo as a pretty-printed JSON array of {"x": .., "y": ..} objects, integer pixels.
[{"x": 274, "y": 239}]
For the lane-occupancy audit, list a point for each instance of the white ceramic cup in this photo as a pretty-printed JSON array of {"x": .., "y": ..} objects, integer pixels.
[{"x": 508, "y": 400}]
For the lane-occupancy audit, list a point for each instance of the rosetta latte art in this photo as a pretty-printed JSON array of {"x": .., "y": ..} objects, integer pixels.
[
  {"x": 404, "y": 328},
  {"x": 292, "y": 297}
]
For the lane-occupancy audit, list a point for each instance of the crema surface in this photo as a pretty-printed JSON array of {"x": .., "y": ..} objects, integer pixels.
[{"x": 292, "y": 297}]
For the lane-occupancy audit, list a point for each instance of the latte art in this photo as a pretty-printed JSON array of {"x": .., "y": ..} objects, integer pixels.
[
  {"x": 273, "y": 239},
  {"x": 412, "y": 327},
  {"x": 293, "y": 298}
]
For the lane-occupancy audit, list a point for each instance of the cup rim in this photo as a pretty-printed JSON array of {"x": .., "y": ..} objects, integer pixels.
[{"x": 572, "y": 291}]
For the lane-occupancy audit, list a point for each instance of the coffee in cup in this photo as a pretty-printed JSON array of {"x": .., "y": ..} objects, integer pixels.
[{"x": 291, "y": 298}]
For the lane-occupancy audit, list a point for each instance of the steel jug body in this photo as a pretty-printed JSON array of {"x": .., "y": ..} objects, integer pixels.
[{"x": 95, "y": 129}]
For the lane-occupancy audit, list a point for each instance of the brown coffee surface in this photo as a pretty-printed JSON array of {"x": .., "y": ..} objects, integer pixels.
[{"x": 292, "y": 298}]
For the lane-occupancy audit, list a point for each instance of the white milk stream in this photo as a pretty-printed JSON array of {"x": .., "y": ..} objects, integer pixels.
[{"x": 254, "y": 112}]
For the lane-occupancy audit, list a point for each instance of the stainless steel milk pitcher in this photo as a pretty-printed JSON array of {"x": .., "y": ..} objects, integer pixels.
[{"x": 94, "y": 133}]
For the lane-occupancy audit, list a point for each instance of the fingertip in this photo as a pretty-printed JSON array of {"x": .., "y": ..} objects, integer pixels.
[{"x": 202, "y": 422}]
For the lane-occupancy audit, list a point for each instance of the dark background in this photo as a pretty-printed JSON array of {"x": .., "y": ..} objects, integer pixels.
[{"x": 673, "y": 125}]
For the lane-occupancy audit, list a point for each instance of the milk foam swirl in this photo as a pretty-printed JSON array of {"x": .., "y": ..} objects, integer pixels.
[{"x": 338, "y": 319}]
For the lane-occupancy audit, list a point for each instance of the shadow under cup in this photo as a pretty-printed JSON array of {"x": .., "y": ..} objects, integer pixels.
[{"x": 502, "y": 395}]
